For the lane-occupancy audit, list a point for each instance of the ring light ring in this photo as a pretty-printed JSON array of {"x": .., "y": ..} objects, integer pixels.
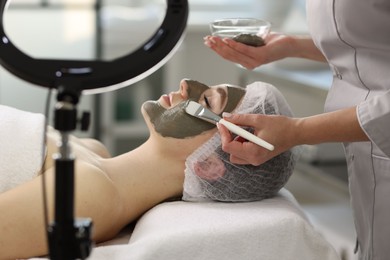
[{"x": 92, "y": 77}]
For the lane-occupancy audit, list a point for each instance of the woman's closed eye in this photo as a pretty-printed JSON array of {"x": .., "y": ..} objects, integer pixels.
[
  {"x": 214, "y": 99},
  {"x": 207, "y": 102}
]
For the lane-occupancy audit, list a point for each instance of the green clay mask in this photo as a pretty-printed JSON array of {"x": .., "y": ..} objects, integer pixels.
[
  {"x": 176, "y": 123},
  {"x": 249, "y": 39},
  {"x": 235, "y": 94}
]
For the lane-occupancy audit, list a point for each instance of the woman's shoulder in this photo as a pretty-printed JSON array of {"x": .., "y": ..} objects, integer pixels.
[
  {"x": 90, "y": 144},
  {"x": 87, "y": 150},
  {"x": 95, "y": 146}
]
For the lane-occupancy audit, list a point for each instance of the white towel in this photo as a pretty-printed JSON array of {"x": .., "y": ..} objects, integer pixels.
[{"x": 21, "y": 140}]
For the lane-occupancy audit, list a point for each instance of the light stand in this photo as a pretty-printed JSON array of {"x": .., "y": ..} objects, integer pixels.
[{"x": 70, "y": 239}]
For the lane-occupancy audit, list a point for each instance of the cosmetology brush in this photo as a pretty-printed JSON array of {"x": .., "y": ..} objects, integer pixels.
[{"x": 197, "y": 110}]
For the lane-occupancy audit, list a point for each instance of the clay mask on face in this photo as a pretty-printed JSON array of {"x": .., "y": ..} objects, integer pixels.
[
  {"x": 176, "y": 123},
  {"x": 235, "y": 95}
]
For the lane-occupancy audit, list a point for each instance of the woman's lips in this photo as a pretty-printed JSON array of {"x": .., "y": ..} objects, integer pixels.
[
  {"x": 166, "y": 99},
  {"x": 169, "y": 100}
]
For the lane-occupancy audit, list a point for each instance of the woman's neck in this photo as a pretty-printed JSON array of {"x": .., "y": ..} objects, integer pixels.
[{"x": 146, "y": 176}]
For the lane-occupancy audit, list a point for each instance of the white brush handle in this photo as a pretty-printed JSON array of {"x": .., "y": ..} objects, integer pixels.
[{"x": 245, "y": 134}]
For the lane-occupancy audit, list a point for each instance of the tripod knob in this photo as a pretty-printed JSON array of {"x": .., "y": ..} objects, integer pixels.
[{"x": 85, "y": 121}]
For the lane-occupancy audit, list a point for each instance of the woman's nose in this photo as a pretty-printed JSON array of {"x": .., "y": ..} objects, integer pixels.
[{"x": 184, "y": 89}]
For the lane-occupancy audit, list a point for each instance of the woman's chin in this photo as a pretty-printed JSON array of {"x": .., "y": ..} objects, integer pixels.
[{"x": 145, "y": 114}]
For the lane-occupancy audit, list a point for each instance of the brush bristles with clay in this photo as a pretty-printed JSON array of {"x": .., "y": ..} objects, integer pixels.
[{"x": 199, "y": 111}]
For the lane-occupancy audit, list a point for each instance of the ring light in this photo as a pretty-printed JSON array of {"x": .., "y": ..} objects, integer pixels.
[
  {"x": 99, "y": 76},
  {"x": 69, "y": 239}
]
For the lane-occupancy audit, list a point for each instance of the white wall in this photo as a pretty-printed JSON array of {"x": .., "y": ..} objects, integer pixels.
[{"x": 45, "y": 34}]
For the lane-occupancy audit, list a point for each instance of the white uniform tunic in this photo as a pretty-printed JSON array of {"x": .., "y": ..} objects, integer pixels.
[{"x": 354, "y": 35}]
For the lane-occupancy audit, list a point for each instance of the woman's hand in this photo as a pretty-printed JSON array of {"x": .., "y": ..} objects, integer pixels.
[
  {"x": 277, "y": 46},
  {"x": 248, "y": 56},
  {"x": 286, "y": 132},
  {"x": 275, "y": 129}
]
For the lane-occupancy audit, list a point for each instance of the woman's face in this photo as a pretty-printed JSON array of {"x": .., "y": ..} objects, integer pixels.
[{"x": 168, "y": 114}]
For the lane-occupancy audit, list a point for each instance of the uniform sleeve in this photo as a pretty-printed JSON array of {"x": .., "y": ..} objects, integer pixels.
[{"x": 374, "y": 118}]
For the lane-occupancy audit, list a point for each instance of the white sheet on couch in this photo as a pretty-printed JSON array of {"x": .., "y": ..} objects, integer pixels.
[{"x": 274, "y": 228}]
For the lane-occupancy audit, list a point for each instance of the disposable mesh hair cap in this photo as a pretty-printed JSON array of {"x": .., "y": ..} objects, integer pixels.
[{"x": 209, "y": 175}]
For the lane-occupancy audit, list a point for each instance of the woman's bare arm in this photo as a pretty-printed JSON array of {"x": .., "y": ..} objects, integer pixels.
[{"x": 337, "y": 126}]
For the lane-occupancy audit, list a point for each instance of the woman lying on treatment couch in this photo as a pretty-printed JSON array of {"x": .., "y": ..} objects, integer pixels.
[{"x": 182, "y": 157}]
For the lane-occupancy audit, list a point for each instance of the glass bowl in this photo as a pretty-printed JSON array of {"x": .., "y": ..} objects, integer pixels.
[{"x": 249, "y": 31}]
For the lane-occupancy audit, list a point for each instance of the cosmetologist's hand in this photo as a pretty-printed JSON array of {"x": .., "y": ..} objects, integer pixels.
[
  {"x": 275, "y": 129},
  {"x": 278, "y": 46}
]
